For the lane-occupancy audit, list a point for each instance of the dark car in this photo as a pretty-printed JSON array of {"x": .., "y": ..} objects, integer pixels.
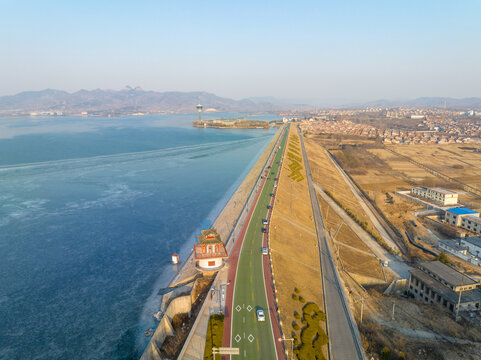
[
  {"x": 269, "y": 207},
  {"x": 264, "y": 229}
]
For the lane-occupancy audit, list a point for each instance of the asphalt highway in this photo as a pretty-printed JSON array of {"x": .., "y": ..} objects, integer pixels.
[
  {"x": 254, "y": 338},
  {"x": 344, "y": 338}
]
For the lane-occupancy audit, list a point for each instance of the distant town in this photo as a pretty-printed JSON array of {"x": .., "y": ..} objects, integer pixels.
[{"x": 399, "y": 126}]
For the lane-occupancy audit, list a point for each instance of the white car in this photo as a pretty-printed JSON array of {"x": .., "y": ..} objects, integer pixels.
[
  {"x": 265, "y": 251},
  {"x": 260, "y": 315}
]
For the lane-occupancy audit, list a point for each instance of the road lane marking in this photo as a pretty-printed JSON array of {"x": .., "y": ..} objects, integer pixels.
[
  {"x": 237, "y": 338},
  {"x": 238, "y": 308},
  {"x": 252, "y": 296},
  {"x": 249, "y": 308},
  {"x": 250, "y": 338}
]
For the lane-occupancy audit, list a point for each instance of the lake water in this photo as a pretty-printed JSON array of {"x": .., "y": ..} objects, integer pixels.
[{"x": 91, "y": 210}]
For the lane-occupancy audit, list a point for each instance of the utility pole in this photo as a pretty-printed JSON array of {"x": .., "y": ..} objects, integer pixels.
[
  {"x": 362, "y": 309},
  {"x": 459, "y": 299},
  {"x": 393, "y": 307},
  {"x": 361, "y": 300}
]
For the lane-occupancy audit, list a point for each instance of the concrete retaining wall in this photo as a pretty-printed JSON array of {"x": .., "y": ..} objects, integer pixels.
[{"x": 179, "y": 305}]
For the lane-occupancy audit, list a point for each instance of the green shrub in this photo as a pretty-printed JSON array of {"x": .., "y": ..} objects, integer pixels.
[
  {"x": 294, "y": 297},
  {"x": 296, "y": 290},
  {"x": 313, "y": 337},
  {"x": 385, "y": 354},
  {"x": 443, "y": 258},
  {"x": 215, "y": 331},
  {"x": 297, "y": 315}
]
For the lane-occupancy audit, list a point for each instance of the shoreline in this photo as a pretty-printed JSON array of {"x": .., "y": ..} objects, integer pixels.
[{"x": 233, "y": 207}]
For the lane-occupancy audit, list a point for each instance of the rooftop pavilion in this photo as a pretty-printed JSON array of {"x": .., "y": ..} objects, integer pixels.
[{"x": 210, "y": 250}]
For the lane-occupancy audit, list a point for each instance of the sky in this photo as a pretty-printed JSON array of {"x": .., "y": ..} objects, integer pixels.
[{"x": 318, "y": 52}]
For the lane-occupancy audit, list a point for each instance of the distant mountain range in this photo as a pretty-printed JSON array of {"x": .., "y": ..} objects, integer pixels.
[
  {"x": 429, "y": 102},
  {"x": 131, "y": 100},
  {"x": 136, "y": 100}
]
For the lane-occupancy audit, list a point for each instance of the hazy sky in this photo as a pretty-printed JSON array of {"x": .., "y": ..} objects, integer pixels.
[{"x": 327, "y": 52}]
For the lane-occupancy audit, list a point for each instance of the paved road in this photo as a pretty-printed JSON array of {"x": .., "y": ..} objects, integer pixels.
[
  {"x": 344, "y": 339},
  {"x": 256, "y": 340}
]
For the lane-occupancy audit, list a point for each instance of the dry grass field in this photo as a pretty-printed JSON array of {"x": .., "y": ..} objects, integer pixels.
[
  {"x": 355, "y": 256},
  {"x": 326, "y": 175},
  {"x": 379, "y": 173},
  {"x": 293, "y": 244},
  {"x": 452, "y": 160}
]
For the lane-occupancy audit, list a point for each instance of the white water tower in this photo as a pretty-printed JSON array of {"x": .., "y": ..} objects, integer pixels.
[{"x": 199, "y": 110}]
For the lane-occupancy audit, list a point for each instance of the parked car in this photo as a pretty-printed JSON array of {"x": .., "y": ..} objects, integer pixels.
[
  {"x": 264, "y": 229},
  {"x": 264, "y": 221}
]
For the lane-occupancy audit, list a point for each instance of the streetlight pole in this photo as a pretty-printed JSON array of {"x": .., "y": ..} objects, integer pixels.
[{"x": 292, "y": 344}]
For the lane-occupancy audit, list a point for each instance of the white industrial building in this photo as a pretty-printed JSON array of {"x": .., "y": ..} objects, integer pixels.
[
  {"x": 439, "y": 195},
  {"x": 463, "y": 249},
  {"x": 471, "y": 223},
  {"x": 455, "y": 216},
  {"x": 473, "y": 244}
]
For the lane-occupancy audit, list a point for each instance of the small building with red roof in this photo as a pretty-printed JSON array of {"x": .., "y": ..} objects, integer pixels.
[{"x": 210, "y": 251}]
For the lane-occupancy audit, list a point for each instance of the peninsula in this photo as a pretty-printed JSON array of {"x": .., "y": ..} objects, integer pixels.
[{"x": 235, "y": 123}]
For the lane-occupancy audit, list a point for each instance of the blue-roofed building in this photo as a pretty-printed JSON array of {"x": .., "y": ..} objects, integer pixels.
[{"x": 455, "y": 215}]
